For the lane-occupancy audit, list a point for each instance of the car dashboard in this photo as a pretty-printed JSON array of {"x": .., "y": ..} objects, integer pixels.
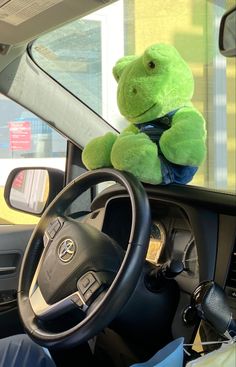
[
  {"x": 171, "y": 236},
  {"x": 188, "y": 224}
]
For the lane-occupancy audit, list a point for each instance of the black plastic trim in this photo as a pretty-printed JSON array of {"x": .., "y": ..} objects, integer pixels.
[
  {"x": 220, "y": 202},
  {"x": 231, "y": 52}
]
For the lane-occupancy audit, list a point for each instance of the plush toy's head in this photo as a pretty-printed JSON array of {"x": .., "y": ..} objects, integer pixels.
[{"x": 153, "y": 84}]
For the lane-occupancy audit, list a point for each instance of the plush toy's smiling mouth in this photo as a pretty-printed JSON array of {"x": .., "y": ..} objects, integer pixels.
[{"x": 143, "y": 113}]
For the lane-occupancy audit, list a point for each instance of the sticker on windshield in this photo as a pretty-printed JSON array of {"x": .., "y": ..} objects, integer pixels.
[{"x": 15, "y": 12}]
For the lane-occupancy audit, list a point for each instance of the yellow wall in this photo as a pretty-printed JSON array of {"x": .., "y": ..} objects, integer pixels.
[
  {"x": 187, "y": 28},
  {"x": 231, "y": 123},
  {"x": 10, "y": 216},
  {"x": 231, "y": 113}
]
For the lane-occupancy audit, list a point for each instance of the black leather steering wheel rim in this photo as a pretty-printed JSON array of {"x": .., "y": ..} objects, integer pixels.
[{"x": 126, "y": 279}]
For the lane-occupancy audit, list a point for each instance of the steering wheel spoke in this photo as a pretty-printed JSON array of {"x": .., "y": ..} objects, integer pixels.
[{"x": 45, "y": 311}]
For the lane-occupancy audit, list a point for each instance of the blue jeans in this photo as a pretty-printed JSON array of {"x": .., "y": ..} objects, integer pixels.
[
  {"x": 21, "y": 351},
  {"x": 175, "y": 173}
]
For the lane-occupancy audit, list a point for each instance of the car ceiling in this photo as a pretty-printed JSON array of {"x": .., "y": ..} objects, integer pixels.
[{"x": 24, "y": 20}]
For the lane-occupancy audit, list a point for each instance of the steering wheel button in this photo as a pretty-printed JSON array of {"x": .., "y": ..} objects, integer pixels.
[
  {"x": 85, "y": 282},
  {"x": 56, "y": 225},
  {"x": 94, "y": 286},
  {"x": 52, "y": 233},
  {"x": 54, "y": 228},
  {"x": 88, "y": 294},
  {"x": 76, "y": 299}
]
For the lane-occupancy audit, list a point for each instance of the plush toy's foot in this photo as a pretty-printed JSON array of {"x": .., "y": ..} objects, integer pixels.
[
  {"x": 97, "y": 153},
  {"x": 137, "y": 154}
]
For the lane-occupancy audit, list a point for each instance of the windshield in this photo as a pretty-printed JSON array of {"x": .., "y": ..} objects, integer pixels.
[{"x": 81, "y": 55}]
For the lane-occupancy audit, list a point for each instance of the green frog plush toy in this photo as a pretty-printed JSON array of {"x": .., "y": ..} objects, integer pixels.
[{"x": 165, "y": 141}]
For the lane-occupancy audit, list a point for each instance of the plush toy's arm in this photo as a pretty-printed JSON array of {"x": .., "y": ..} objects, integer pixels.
[
  {"x": 184, "y": 142},
  {"x": 97, "y": 153}
]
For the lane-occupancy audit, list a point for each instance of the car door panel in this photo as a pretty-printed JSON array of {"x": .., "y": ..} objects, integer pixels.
[{"x": 14, "y": 239}]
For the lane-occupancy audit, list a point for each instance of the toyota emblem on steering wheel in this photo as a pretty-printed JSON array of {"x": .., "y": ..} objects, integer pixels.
[{"x": 66, "y": 250}]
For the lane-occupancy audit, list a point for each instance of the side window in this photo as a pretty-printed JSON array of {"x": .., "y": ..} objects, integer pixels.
[{"x": 25, "y": 140}]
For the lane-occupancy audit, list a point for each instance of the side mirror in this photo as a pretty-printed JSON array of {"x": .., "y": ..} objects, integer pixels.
[
  {"x": 31, "y": 189},
  {"x": 227, "y": 36}
]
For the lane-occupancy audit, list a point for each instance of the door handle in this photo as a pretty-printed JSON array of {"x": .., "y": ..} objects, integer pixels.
[{"x": 7, "y": 270}]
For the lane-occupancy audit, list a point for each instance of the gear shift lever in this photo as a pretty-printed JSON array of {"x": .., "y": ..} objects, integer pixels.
[{"x": 209, "y": 302}]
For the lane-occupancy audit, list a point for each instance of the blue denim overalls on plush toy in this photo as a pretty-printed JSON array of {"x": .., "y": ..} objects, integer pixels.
[{"x": 171, "y": 173}]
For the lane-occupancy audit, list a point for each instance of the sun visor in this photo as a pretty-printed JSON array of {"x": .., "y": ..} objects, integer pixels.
[{"x": 21, "y": 21}]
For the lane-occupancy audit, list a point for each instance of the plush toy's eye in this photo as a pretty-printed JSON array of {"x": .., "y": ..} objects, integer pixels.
[{"x": 151, "y": 65}]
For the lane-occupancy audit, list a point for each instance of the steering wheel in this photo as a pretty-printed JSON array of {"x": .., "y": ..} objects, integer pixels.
[{"x": 70, "y": 264}]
